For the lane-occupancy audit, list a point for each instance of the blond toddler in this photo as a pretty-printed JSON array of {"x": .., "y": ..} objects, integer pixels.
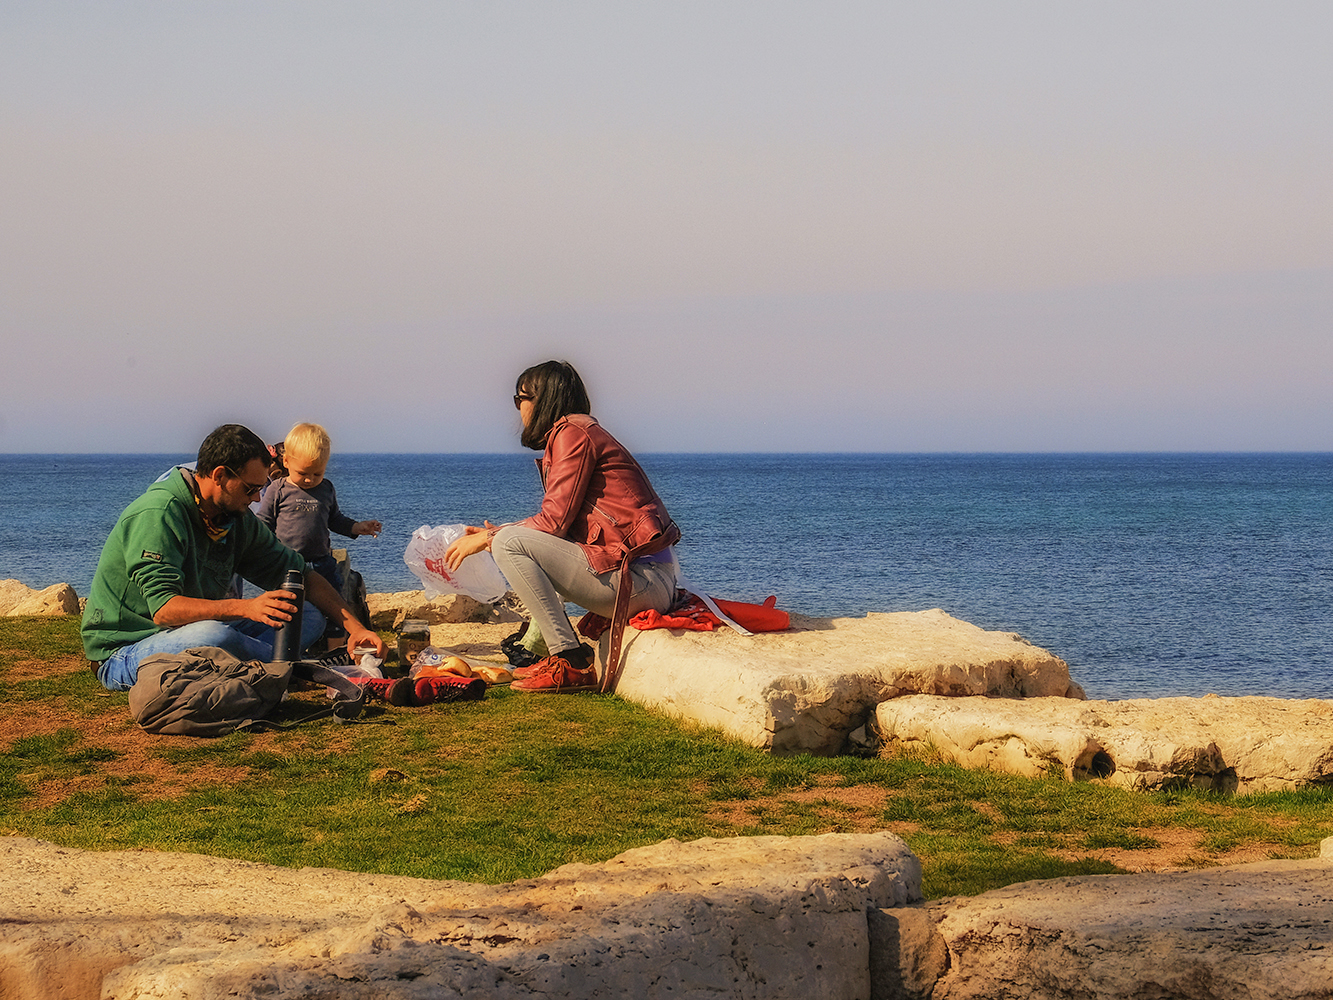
[{"x": 302, "y": 508}]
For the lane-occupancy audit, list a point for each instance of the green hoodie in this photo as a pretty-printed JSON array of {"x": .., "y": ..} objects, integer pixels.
[{"x": 159, "y": 550}]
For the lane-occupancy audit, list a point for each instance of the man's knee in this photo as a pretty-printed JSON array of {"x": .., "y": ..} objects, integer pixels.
[
  {"x": 206, "y": 633},
  {"x": 213, "y": 633},
  {"x": 121, "y": 670}
]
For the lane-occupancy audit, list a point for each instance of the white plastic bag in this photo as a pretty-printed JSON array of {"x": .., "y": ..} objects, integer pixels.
[
  {"x": 478, "y": 576},
  {"x": 366, "y": 665}
]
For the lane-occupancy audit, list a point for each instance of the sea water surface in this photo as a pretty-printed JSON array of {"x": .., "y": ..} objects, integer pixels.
[{"x": 1150, "y": 574}]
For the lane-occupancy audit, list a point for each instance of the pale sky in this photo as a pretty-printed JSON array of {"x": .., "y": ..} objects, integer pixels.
[{"x": 760, "y": 226}]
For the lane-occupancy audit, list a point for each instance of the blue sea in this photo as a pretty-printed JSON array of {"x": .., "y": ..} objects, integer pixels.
[{"x": 1150, "y": 574}]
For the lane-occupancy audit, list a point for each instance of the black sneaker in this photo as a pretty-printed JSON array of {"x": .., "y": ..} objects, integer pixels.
[
  {"x": 338, "y": 658},
  {"x": 513, "y": 648}
]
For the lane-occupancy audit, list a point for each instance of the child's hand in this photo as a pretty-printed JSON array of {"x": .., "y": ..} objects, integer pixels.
[{"x": 367, "y": 528}]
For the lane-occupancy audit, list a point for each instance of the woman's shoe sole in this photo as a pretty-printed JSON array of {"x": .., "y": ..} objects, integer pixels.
[{"x": 591, "y": 685}]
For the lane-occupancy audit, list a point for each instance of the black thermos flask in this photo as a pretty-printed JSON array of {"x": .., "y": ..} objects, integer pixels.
[{"x": 287, "y": 642}]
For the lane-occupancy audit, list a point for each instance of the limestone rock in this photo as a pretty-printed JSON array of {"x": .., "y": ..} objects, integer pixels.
[
  {"x": 808, "y": 688},
  {"x": 56, "y": 600},
  {"x": 749, "y": 917},
  {"x": 908, "y": 954},
  {"x": 1259, "y": 932},
  {"x": 1246, "y": 744},
  {"x": 388, "y": 611},
  {"x": 11, "y": 592}
]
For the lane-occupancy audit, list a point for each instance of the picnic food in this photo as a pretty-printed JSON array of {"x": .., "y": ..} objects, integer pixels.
[
  {"x": 451, "y": 666},
  {"x": 493, "y": 675}
]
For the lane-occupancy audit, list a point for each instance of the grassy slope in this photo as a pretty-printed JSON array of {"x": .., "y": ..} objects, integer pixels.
[{"x": 515, "y": 785}]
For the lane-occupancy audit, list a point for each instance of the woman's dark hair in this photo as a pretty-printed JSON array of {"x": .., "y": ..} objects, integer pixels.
[
  {"x": 556, "y": 391},
  {"x": 233, "y": 446}
]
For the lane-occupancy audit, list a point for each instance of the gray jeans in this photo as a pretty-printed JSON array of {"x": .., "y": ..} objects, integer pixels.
[{"x": 545, "y": 571}]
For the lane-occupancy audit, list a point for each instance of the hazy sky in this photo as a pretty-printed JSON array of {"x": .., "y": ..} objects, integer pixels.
[{"x": 767, "y": 226}]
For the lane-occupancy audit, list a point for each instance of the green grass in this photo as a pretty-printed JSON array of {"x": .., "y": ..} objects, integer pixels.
[{"x": 514, "y": 785}]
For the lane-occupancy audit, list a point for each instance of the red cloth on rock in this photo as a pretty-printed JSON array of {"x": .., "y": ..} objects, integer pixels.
[{"x": 696, "y": 617}]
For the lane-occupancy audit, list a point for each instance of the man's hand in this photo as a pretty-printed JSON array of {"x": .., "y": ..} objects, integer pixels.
[
  {"x": 275, "y": 607},
  {"x": 359, "y": 639},
  {"x": 367, "y": 528}
]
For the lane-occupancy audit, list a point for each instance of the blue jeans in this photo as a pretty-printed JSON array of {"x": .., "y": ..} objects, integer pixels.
[{"x": 244, "y": 639}]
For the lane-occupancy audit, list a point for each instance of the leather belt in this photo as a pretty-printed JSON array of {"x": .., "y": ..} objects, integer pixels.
[{"x": 624, "y": 589}]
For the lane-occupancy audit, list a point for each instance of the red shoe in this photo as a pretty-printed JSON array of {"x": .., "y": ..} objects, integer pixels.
[
  {"x": 556, "y": 675},
  {"x": 395, "y": 692},
  {"x": 571, "y": 657},
  {"x": 429, "y": 690}
]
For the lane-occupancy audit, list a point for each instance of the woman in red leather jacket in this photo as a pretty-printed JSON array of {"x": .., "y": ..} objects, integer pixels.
[{"x": 601, "y": 539}]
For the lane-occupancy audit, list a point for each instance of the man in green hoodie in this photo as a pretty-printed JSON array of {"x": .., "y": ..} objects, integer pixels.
[{"x": 162, "y": 581}]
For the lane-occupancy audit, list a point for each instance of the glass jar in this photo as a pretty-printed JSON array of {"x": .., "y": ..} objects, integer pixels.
[{"x": 413, "y": 637}]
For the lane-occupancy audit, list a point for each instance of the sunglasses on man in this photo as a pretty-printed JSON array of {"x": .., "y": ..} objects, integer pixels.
[{"x": 250, "y": 489}]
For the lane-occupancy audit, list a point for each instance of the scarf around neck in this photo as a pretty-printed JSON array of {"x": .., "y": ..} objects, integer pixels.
[{"x": 217, "y": 527}]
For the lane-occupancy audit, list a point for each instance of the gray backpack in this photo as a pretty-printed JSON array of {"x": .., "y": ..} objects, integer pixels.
[{"x": 206, "y": 691}]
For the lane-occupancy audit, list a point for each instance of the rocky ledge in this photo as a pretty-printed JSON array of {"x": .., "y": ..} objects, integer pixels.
[
  {"x": 838, "y": 917},
  {"x": 753, "y": 917},
  {"x": 1249, "y": 744},
  {"x": 389, "y": 611},
  {"x": 1250, "y": 932},
  {"x": 808, "y": 689}
]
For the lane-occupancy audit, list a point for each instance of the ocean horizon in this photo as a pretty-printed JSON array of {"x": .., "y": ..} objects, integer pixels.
[{"x": 1152, "y": 574}]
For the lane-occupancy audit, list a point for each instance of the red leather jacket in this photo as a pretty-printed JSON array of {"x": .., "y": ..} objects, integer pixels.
[{"x": 597, "y": 495}]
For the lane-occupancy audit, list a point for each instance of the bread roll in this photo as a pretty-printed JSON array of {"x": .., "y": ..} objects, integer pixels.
[
  {"x": 457, "y": 665},
  {"x": 493, "y": 675}
]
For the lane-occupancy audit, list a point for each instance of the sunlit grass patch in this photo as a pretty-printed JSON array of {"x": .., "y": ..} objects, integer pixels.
[
  {"x": 965, "y": 867},
  {"x": 1125, "y": 839},
  {"x": 38, "y": 638}
]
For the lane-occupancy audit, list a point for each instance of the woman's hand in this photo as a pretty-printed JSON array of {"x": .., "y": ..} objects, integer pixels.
[{"x": 476, "y": 540}]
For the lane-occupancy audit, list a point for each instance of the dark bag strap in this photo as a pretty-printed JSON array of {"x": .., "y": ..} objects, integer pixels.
[
  {"x": 351, "y": 700},
  {"x": 669, "y": 536},
  {"x": 347, "y": 707}
]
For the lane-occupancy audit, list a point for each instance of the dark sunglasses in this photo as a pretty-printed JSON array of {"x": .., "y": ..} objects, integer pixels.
[
  {"x": 520, "y": 398},
  {"x": 250, "y": 491}
]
